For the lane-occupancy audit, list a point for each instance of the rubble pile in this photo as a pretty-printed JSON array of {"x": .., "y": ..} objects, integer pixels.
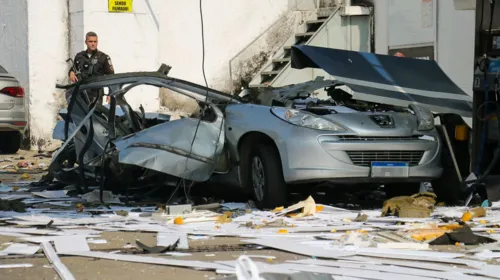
[{"x": 433, "y": 242}]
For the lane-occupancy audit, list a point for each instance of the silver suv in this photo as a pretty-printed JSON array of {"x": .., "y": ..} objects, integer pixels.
[{"x": 12, "y": 112}]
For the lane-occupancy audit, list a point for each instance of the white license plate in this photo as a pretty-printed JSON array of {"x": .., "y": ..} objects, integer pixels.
[{"x": 387, "y": 169}]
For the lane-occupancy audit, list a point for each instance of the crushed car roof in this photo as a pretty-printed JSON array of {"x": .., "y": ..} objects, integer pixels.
[
  {"x": 158, "y": 79},
  {"x": 387, "y": 79}
]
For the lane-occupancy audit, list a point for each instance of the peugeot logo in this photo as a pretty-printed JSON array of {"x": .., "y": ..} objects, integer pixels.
[{"x": 383, "y": 121}]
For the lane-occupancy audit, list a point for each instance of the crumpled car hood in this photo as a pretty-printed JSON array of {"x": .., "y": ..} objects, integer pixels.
[{"x": 387, "y": 79}]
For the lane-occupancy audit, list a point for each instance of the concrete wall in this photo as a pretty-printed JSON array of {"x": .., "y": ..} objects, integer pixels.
[
  {"x": 450, "y": 31},
  {"x": 229, "y": 26},
  {"x": 14, "y": 38},
  {"x": 130, "y": 39},
  {"x": 455, "y": 44},
  {"x": 48, "y": 49}
]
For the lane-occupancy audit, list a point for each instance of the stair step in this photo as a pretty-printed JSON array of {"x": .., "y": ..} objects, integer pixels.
[
  {"x": 321, "y": 20},
  {"x": 305, "y": 34},
  {"x": 258, "y": 86},
  {"x": 326, "y": 12},
  {"x": 270, "y": 73},
  {"x": 281, "y": 60}
]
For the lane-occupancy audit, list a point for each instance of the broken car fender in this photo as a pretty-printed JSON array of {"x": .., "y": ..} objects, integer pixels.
[{"x": 167, "y": 148}]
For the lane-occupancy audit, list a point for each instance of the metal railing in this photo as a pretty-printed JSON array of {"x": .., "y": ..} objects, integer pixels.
[{"x": 274, "y": 24}]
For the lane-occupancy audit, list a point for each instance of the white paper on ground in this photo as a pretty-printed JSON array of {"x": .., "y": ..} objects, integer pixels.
[
  {"x": 71, "y": 243},
  {"x": 21, "y": 249},
  {"x": 261, "y": 267},
  {"x": 58, "y": 266},
  {"x": 261, "y": 257},
  {"x": 178, "y": 254},
  {"x": 450, "y": 275},
  {"x": 13, "y": 234},
  {"x": 97, "y": 241},
  {"x": 40, "y": 239},
  {"x": 295, "y": 246},
  {"x": 16, "y": 265},
  {"x": 352, "y": 272},
  {"x": 183, "y": 242},
  {"x": 51, "y": 194},
  {"x": 403, "y": 245},
  {"x": 166, "y": 239},
  {"x": 150, "y": 260}
]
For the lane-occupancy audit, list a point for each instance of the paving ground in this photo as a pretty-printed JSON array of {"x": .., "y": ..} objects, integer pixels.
[
  {"x": 28, "y": 166},
  {"x": 85, "y": 268},
  {"x": 92, "y": 269}
]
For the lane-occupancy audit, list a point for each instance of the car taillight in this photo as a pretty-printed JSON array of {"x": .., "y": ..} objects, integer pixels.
[{"x": 13, "y": 91}]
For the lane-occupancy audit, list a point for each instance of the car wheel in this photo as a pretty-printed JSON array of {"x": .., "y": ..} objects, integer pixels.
[
  {"x": 265, "y": 177},
  {"x": 401, "y": 189},
  {"x": 11, "y": 142}
]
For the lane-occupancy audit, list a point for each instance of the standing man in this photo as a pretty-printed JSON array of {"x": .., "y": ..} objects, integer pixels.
[{"x": 91, "y": 62}]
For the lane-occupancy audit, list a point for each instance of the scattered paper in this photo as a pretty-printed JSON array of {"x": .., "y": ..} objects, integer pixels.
[
  {"x": 21, "y": 249},
  {"x": 72, "y": 243},
  {"x": 51, "y": 194}
]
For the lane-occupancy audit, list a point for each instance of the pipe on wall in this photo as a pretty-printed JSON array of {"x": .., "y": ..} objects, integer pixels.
[
  {"x": 436, "y": 22},
  {"x": 153, "y": 15}
]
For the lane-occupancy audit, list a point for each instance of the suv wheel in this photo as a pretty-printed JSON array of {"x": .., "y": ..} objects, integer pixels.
[
  {"x": 10, "y": 142},
  {"x": 263, "y": 175}
]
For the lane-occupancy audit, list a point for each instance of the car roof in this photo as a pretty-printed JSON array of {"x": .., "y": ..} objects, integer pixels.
[{"x": 115, "y": 79}]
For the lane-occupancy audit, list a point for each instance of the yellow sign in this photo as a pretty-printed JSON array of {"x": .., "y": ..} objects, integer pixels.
[{"x": 120, "y": 6}]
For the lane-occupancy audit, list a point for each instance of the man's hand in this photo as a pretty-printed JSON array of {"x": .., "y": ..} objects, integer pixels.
[{"x": 73, "y": 77}]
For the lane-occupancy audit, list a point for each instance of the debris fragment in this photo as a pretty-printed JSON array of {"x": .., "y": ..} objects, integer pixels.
[
  {"x": 361, "y": 218},
  {"x": 462, "y": 235},
  {"x": 473, "y": 213},
  {"x": 179, "y": 221},
  {"x": 419, "y": 205}
]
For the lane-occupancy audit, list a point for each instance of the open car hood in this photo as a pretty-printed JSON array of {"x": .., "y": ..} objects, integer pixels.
[{"x": 387, "y": 79}]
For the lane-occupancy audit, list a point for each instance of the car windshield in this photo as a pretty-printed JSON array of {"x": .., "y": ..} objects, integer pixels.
[{"x": 2, "y": 70}]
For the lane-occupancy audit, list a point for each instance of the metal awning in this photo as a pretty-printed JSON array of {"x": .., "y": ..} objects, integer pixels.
[{"x": 387, "y": 79}]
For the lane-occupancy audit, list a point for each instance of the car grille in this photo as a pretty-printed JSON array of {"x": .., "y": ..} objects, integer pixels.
[
  {"x": 377, "y": 138},
  {"x": 365, "y": 158}
]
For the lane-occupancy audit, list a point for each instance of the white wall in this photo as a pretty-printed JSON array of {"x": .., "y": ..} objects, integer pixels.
[
  {"x": 455, "y": 45},
  {"x": 48, "y": 48},
  {"x": 404, "y": 23},
  {"x": 229, "y": 26},
  {"x": 130, "y": 39},
  {"x": 14, "y": 38}
]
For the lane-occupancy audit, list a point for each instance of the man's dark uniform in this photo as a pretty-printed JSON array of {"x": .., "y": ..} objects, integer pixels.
[{"x": 90, "y": 65}]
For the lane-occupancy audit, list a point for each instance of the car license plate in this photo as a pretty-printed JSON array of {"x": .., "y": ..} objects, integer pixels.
[{"x": 386, "y": 169}]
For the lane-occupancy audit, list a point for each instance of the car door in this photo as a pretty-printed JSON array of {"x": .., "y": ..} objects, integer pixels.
[{"x": 187, "y": 148}]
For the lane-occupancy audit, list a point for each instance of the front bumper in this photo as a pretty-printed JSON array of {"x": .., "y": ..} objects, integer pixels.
[{"x": 348, "y": 159}]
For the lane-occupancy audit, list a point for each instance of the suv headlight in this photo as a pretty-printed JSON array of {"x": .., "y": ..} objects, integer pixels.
[
  {"x": 425, "y": 118},
  {"x": 304, "y": 119}
]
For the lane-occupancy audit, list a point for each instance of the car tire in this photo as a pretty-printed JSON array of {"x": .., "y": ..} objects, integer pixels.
[
  {"x": 263, "y": 175},
  {"x": 401, "y": 189},
  {"x": 11, "y": 142}
]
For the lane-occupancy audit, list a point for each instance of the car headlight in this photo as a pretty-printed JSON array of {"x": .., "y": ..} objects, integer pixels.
[
  {"x": 304, "y": 119},
  {"x": 425, "y": 118}
]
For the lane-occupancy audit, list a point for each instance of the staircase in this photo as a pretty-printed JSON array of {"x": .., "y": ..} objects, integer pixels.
[
  {"x": 283, "y": 60},
  {"x": 331, "y": 28}
]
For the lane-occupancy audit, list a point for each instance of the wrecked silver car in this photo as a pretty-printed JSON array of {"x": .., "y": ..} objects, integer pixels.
[{"x": 261, "y": 140}]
